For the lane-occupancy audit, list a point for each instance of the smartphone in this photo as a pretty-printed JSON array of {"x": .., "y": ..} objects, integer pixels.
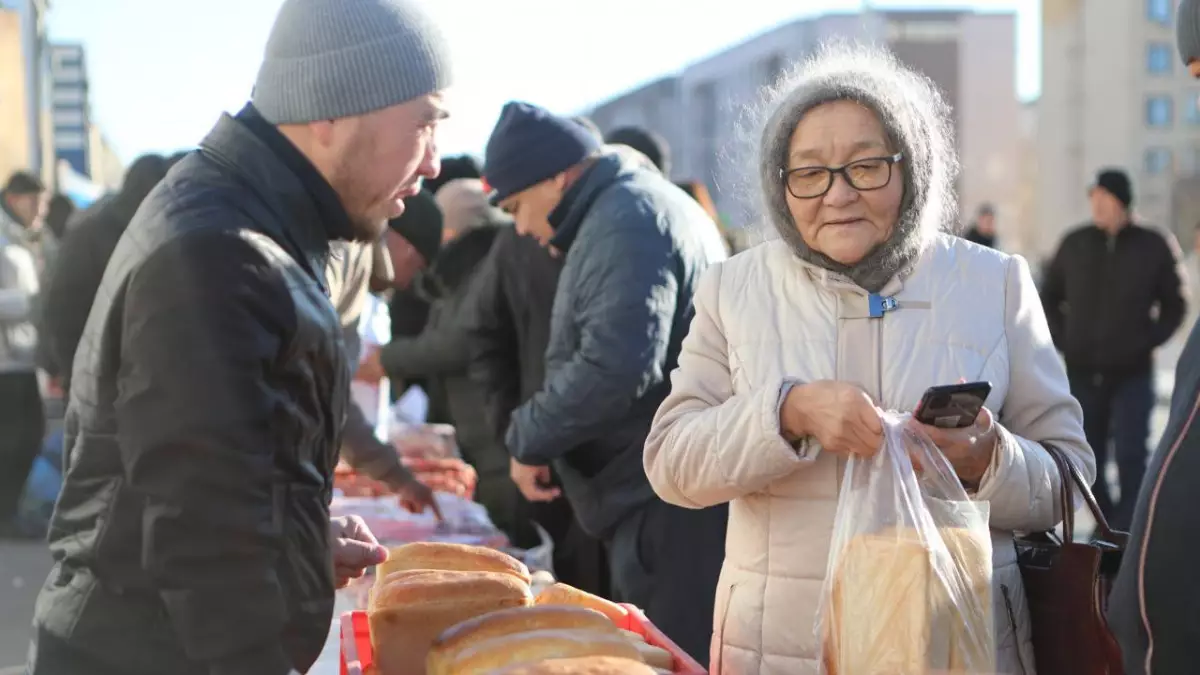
[{"x": 952, "y": 406}]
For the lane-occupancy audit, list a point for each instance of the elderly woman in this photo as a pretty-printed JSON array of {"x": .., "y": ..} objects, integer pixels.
[{"x": 861, "y": 304}]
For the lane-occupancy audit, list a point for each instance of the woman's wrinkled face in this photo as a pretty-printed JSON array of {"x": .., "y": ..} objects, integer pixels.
[{"x": 844, "y": 223}]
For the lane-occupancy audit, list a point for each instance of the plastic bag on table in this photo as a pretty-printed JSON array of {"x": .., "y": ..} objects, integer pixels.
[{"x": 908, "y": 587}]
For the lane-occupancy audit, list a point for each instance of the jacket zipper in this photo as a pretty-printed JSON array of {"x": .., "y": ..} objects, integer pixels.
[{"x": 1012, "y": 622}]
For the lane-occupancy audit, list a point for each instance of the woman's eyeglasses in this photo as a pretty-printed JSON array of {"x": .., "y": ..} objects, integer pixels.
[{"x": 810, "y": 182}]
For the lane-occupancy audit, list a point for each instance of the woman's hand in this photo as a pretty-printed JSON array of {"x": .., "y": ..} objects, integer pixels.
[
  {"x": 969, "y": 449},
  {"x": 839, "y": 416}
]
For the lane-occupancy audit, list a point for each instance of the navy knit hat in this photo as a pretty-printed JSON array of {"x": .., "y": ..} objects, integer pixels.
[
  {"x": 530, "y": 145},
  {"x": 1116, "y": 183},
  {"x": 328, "y": 59}
]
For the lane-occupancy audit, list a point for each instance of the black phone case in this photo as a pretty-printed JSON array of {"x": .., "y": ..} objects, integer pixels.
[{"x": 953, "y": 406}]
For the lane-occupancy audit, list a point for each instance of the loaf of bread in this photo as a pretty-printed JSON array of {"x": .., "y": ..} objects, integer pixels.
[
  {"x": 586, "y": 665},
  {"x": 450, "y": 557},
  {"x": 889, "y": 611},
  {"x": 562, "y": 594},
  {"x": 463, "y": 636},
  {"x": 539, "y": 645},
  {"x": 411, "y": 609}
]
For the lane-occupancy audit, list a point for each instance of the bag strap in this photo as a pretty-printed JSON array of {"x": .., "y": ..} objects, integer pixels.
[{"x": 1070, "y": 478}]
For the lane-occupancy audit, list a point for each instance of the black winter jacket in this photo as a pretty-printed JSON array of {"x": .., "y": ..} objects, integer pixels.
[
  {"x": 635, "y": 247},
  {"x": 1111, "y": 300},
  {"x": 192, "y": 532}
]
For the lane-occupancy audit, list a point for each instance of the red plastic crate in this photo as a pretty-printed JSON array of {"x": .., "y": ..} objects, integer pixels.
[{"x": 357, "y": 655}]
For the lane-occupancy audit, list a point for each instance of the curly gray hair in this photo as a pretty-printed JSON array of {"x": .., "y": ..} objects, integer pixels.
[{"x": 916, "y": 120}]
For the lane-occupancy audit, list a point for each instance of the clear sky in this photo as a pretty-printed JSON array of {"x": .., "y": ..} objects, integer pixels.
[{"x": 162, "y": 70}]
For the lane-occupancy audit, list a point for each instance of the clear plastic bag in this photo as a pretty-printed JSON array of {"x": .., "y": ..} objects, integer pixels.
[{"x": 908, "y": 587}]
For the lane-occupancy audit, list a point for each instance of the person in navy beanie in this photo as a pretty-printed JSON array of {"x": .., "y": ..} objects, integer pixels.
[{"x": 634, "y": 246}]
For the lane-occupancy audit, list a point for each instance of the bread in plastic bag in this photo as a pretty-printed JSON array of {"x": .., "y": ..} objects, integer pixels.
[{"x": 908, "y": 589}]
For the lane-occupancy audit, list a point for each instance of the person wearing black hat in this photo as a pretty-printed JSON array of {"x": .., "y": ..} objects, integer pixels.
[
  {"x": 1112, "y": 295},
  {"x": 983, "y": 230},
  {"x": 649, "y": 143},
  {"x": 634, "y": 246},
  {"x": 1152, "y": 607}
]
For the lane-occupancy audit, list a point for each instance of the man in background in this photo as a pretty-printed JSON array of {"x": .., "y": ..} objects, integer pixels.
[
  {"x": 1152, "y": 607},
  {"x": 983, "y": 230},
  {"x": 83, "y": 255},
  {"x": 1112, "y": 295},
  {"x": 22, "y": 417}
]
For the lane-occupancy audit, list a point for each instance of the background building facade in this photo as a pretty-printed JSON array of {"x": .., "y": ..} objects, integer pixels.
[
  {"x": 1114, "y": 93},
  {"x": 24, "y": 55},
  {"x": 702, "y": 111},
  {"x": 71, "y": 114}
]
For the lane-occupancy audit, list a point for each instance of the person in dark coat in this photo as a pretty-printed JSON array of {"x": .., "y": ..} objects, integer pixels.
[
  {"x": 647, "y": 142},
  {"x": 1152, "y": 606},
  {"x": 193, "y": 534},
  {"x": 634, "y": 246},
  {"x": 73, "y": 280},
  {"x": 983, "y": 230},
  {"x": 508, "y": 323},
  {"x": 1112, "y": 295}
]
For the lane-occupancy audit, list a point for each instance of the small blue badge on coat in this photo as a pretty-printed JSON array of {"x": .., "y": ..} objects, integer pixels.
[{"x": 878, "y": 304}]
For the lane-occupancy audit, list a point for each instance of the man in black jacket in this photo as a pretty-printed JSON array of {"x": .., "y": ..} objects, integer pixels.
[
  {"x": 1152, "y": 607},
  {"x": 193, "y": 533},
  {"x": 634, "y": 246},
  {"x": 1112, "y": 295}
]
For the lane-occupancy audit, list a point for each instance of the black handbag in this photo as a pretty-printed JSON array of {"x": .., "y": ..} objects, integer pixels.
[{"x": 1067, "y": 585}]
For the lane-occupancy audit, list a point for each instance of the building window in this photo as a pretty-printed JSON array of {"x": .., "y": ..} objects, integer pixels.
[
  {"x": 68, "y": 95},
  {"x": 69, "y": 140},
  {"x": 1159, "y": 11},
  {"x": 1160, "y": 58},
  {"x": 1157, "y": 160},
  {"x": 69, "y": 118},
  {"x": 1158, "y": 111},
  {"x": 1191, "y": 109}
]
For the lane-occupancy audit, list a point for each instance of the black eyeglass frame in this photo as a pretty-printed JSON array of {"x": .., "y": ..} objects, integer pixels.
[{"x": 833, "y": 172}]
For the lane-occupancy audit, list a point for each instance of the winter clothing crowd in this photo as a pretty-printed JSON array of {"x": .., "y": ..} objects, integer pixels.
[{"x": 677, "y": 419}]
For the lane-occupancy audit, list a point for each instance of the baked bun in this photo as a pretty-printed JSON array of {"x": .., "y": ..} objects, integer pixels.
[
  {"x": 587, "y": 665},
  {"x": 539, "y": 645},
  {"x": 562, "y": 594},
  {"x": 411, "y": 609},
  {"x": 450, "y": 557},
  {"x": 507, "y": 622}
]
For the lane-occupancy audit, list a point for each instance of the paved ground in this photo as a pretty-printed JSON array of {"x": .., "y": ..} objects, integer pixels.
[{"x": 23, "y": 568}]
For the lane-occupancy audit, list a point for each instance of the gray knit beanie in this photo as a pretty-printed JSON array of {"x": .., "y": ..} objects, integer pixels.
[
  {"x": 1187, "y": 30},
  {"x": 328, "y": 59}
]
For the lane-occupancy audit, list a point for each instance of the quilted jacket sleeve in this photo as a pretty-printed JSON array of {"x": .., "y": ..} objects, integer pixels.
[
  {"x": 624, "y": 308},
  {"x": 1022, "y": 483},
  {"x": 709, "y": 445},
  {"x": 198, "y": 431}
]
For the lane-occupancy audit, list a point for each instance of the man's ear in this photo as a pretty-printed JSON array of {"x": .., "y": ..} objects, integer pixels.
[
  {"x": 322, "y": 132},
  {"x": 1194, "y": 68}
]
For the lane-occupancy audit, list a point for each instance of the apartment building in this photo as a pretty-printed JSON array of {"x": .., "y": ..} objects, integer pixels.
[
  {"x": 23, "y": 83},
  {"x": 1114, "y": 93},
  {"x": 71, "y": 112},
  {"x": 702, "y": 110}
]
